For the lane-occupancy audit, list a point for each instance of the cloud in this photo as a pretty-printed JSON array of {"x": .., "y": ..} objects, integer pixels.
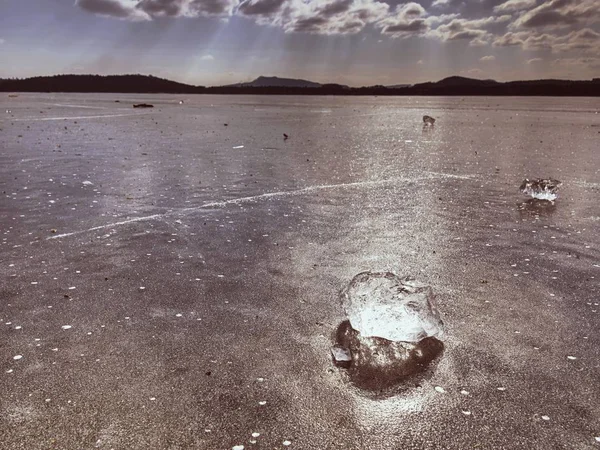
[
  {"x": 317, "y": 17},
  {"x": 260, "y": 7},
  {"x": 475, "y": 31},
  {"x": 585, "y": 40},
  {"x": 207, "y": 58},
  {"x": 149, "y": 9},
  {"x": 408, "y": 20},
  {"x": 510, "y": 39},
  {"x": 532, "y": 28},
  {"x": 534, "y": 60},
  {"x": 474, "y": 72},
  {"x": 514, "y": 5},
  {"x": 122, "y": 9},
  {"x": 560, "y": 13},
  {"x": 578, "y": 63},
  {"x": 488, "y": 58}
]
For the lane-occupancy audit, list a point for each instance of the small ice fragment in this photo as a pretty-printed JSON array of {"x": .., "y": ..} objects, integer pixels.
[
  {"x": 463, "y": 392},
  {"x": 66, "y": 327},
  {"x": 260, "y": 379},
  {"x": 571, "y": 357},
  {"x": 341, "y": 354},
  {"x": 17, "y": 357},
  {"x": 381, "y": 304},
  {"x": 262, "y": 403},
  {"x": 71, "y": 288},
  {"x": 152, "y": 399},
  {"x": 597, "y": 438},
  {"x": 237, "y": 447},
  {"x": 9, "y": 371},
  {"x": 541, "y": 188},
  {"x": 255, "y": 435},
  {"x": 239, "y": 146},
  {"x": 142, "y": 288},
  {"x": 178, "y": 315},
  {"x": 440, "y": 389},
  {"x": 178, "y": 221},
  {"x": 466, "y": 413},
  {"x": 18, "y": 327},
  {"x": 545, "y": 418},
  {"x": 501, "y": 388},
  {"x": 87, "y": 183},
  {"x": 286, "y": 443}
]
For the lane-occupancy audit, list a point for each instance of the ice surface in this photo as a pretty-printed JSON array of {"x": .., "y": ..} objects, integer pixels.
[
  {"x": 541, "y": 188},
  {"x": 381, "y": 304}
]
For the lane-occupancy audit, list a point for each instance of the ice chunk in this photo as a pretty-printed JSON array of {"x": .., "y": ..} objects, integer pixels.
[
  {"x": 428, "y": 120},
  {"x": 541, "y": 188},
  {"x": 381, "y": 304},
  {"x": 341, "y": 355}
]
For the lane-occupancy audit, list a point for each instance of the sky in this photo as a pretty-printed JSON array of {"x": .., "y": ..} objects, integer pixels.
[{"x": 353, "y": 42}]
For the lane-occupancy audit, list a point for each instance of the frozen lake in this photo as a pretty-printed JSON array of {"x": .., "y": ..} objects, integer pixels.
[{"x": 170, "y": 277}]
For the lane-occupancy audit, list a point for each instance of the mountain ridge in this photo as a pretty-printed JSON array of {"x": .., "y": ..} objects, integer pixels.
[{"x": 454, "y": 85}]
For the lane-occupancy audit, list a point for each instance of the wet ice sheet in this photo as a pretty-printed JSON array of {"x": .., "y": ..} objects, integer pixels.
[{"x": 517, "y": 286}]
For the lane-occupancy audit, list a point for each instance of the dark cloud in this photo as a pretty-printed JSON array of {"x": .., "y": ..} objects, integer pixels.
[
  {"x": 467, "y": 34},
  {"x": 211, "y": 7},
  {"x": 414, "y": 27},
  {"x": 161, "y": 7},
  {"x": 334, "y": 17},
  {"x": 583, "y": 41},
  {"x": 148, "y": 9},
  {"x": 547, "y": 17},
  {"x": 556, "y": 13},
  {"x": 475, "y": 31},
  {"x": 408, "y": 20},
  {"x": 260, "y": 7},
  {"x": 511, "y": 6},
  {"x": 309, "y": 24},
  {"x": 112, "y": 8},
  {"x": 413, "y": 10},
  {"x": 334, "y": 8}
]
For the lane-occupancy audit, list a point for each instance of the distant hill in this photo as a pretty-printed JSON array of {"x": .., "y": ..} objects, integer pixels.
[
  {"x": 97, "y": 83},
  {"x": 287, "y": 86},
  {"x": 278, "y": 82},
  {"x": 456, "y": 81}
]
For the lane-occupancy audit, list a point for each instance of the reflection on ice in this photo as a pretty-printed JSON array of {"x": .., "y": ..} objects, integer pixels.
[
  {"x": 541, "y": 188},
  {"x": 382, "y": 367},
  {"x": 536, "y": 207}
]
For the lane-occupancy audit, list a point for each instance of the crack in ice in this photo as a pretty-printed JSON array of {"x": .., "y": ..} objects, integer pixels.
[{"x": 268, "y": 195}]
